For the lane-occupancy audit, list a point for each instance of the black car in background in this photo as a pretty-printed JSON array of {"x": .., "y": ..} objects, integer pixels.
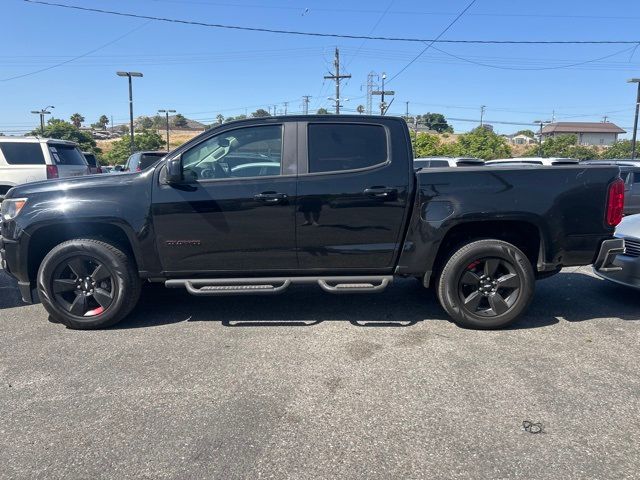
[
  {"x": 140, "y": 161},
  {"x": 92, "y": 161},
  {"x": 630, "y": 173}
]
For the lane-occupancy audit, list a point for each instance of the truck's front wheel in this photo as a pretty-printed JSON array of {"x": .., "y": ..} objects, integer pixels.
[
  {"x": 88, "y": 284},
  {"x": 486, "y": 284}
]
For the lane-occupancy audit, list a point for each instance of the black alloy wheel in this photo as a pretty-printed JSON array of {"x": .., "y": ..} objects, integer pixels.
[
  {"x": 87, "y": 283},
  {"x": 486, "y": 284},
  {"x": 489, "y": 287},
  {"x": 83, "y": 286}
]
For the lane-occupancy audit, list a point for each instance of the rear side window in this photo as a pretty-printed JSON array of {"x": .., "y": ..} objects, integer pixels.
[
  {"x": 67, "y": 155},
  {"x": 337, "y": 147},
  {"x": 22, "y": 153}
]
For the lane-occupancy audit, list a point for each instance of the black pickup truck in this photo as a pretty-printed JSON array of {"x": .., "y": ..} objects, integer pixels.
[{"x": 251, "y": 207}]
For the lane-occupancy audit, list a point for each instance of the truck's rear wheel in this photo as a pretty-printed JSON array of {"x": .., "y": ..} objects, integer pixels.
[
  {"x": 87, "y": 284},
  {"x": 486, "y": 284}
]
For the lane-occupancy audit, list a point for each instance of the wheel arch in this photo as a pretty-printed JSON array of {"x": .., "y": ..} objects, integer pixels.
[
  {"x": 524, "y": 234},
  {"x": 43, "y": 239}
]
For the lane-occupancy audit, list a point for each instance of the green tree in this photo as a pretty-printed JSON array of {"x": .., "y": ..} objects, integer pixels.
[
  {"x": 158, "y": 121},
  {"x": 102, "y": 123},
  {"x": 62, "y": 130},
  {"x": 144, "y": 122},
  {"x": 621, "y": 149},
  {"x": 179, "y": 120},
  {"x": 143, "y": 140},
  {"x": 563, "y": 146},
  {"x": 435, "y": 122},
  {"x": 526, "y": 133},
  {"x": 426, "y": 145},
  {"x": 219, "y": 119},
  {"x": 322, "y": 111},
  {"x": 76, "y": 120},
  {"x": 259, "y": 113},
  {"x": 232, "y": 119},
  {"x": 481, "y": 143}
]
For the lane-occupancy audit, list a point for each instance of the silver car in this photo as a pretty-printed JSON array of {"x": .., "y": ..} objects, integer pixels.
[{"x": 629, "y": 261}]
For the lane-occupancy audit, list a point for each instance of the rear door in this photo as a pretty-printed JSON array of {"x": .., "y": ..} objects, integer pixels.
[
  {"x": 352, "y": 194},
  {"x": 69, "y": 160}
]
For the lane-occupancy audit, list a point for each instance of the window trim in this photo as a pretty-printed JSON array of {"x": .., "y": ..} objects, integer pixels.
[
  {"x": 283, "y": 130},
  {"x": 303, "y": 150}
]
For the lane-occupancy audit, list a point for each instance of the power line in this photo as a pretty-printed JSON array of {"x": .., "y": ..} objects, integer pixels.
[
  {"x": 78, "y": 57},
  {"x": 458, "y": 17},
  {"x": 556, "y": 67},
  {"x": 335, "y": 35},
  {"x": 384, "y": 14}
]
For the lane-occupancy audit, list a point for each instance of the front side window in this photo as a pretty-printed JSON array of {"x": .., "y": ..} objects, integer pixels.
[
  {"x": 241, "y": 153},
  {"x": 336, "y": 147}
]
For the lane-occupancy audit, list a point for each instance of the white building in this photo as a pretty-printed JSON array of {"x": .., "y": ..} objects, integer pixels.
[{"x": 588, "y": 133}]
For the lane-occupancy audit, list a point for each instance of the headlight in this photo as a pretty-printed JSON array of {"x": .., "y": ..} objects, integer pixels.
[{"x": 11, "y": 207}]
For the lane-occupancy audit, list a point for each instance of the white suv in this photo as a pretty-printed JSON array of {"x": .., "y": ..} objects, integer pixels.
[{"x": 30, "y": 159}]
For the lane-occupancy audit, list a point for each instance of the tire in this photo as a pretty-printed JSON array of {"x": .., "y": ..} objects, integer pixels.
[
  {"x": 486, "y": 284},
  {"x": 88, "y": 284}
]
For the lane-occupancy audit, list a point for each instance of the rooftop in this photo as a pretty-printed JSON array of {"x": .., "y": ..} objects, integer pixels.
[{"x": 582, "y": 127}]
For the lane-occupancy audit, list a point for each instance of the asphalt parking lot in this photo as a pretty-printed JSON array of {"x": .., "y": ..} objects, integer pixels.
[{"x": 306, "y": 385}]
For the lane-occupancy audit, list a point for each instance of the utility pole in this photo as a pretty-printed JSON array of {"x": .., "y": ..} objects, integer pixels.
[
  {"x": 482, "y": 109},
  {"x": 371, "y": 85},
  {"x": 305, "y": 104},
  {"x": 605, "y": 119},
  {"x": 286, "y": 104},
  {"x": 383, "y": 105},
  {"x": 541, "y": 123},
  {"x": 166, "y": 112},
  {"x": 337, "y": 77},
  {"x": 42, "y": 113},
  {"x": 406, "y": 111},
  {"x": 635, "y": 121}
]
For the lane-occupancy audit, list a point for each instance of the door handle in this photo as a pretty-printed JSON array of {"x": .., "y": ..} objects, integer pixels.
[
  {"x": 270, "y": 197},
  {"x": 380, "y": 192}
]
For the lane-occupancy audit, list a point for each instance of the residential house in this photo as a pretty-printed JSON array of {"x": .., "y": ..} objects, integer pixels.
[{"x": 588, "y": 133}]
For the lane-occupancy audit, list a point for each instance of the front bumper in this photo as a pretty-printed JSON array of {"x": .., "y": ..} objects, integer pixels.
[
  {"x": 627, "y": 271},
  {"x": 10, "y": 261},
  {"x": 605, "y": 261}
]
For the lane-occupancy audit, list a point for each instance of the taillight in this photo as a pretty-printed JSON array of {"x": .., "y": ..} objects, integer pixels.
[
  {"x": 52, "y": 171},
  {"x": 615, "y": 203}
]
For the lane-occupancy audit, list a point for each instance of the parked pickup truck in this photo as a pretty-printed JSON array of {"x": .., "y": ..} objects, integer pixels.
[{"x": 254, "y": 206}]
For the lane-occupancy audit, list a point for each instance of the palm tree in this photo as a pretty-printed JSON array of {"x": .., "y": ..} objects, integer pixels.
[
  {"x": 360, "y": 109},
  {"x": 77, "y": 120}
]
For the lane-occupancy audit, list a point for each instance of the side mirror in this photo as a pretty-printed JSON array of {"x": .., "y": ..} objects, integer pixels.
[{"x": 174, "y": 170}]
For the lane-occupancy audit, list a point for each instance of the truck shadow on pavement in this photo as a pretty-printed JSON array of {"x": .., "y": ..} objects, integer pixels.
[
  {"x": 9, "y": 293},
  {"x": 572, "y": 296}
]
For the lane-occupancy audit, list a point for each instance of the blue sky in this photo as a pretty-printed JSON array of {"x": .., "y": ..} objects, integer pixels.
[{"x": 204, "y": 71}]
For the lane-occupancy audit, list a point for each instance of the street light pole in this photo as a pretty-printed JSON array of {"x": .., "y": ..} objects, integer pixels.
[
  {"x": 42, "y": 113},
  {"x": 166, "y": 112},
  {"x": 635, "y": 121},
  {"x": 130, "y": 75}
]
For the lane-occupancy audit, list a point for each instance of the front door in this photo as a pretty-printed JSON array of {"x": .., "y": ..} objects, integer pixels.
[{"x": 234, "y": 214}]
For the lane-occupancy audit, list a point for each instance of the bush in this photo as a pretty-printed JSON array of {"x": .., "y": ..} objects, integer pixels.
[{"x": 144, "y": 140}]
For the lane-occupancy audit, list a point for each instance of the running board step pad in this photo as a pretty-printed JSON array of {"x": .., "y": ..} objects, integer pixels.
[{"x": 269, "y": 286}]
